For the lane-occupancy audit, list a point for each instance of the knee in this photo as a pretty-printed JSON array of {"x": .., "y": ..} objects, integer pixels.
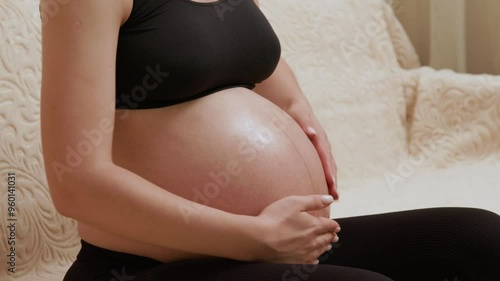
[
  {"x": 483, "y": 229},
  {"x": 483, "y": 220},
  {"x": 469, "y": 218}
]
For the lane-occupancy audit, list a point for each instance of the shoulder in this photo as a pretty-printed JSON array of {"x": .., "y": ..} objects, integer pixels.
[{"x": 50, "y": 9}]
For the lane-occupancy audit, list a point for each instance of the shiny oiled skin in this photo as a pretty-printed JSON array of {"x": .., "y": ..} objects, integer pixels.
[{"x": 232, "y": 150}]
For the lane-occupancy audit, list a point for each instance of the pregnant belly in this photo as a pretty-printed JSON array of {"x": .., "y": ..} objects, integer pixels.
[{"x": 232, "y": 150}]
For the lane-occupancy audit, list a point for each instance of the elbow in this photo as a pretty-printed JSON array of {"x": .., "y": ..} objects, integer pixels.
[
  {"x": 67, "y": 190},
  {"x": 64, "y": 210},
  {"x": 60, "y": 189},
  {"x": 65, "y": 199}
]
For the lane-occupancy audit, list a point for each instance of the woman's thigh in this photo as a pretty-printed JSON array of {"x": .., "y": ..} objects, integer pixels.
[
  {"x": 428, "y": 244},
  {"x": 434, "y": 243},
  {"x": 97, "y": 264},
  {"x": 230, "y": 270}
]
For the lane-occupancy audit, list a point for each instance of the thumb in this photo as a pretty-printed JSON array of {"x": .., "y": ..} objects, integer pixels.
[{"x": 314, "y": 202}]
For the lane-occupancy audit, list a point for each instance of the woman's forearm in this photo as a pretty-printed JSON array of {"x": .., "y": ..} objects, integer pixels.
[
  {"x": 120, "y": 202},
  {"x": 282, "y": 89}
]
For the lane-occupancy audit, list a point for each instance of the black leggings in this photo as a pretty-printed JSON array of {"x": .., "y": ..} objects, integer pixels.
[{"x": 436, "y": 244}]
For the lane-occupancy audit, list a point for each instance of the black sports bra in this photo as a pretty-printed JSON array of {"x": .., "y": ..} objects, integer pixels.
[{"x": 172, "y": 51}]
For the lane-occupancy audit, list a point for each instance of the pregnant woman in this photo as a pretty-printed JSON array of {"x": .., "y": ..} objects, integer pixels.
[{"x": 177, "y": 137}]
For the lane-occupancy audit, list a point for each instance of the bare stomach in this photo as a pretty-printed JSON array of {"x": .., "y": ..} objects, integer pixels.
[{"x": 232, "y": 150}]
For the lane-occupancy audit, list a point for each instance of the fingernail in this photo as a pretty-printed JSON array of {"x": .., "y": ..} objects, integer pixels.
[
  {"x": 311, "y": 131},
  {"x": 329, "y": 247},
  {"x": 326, "y": 199},
  {"x": 337, "y": 230},
  {"x": 336, "y": 239}
]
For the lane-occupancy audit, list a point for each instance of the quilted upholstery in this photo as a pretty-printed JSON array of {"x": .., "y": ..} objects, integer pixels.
[{"x": 404, "y": 136}]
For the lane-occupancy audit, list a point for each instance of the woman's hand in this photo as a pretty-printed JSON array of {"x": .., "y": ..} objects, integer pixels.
[
  {"x": 283, "y": 90},
  {"x": 291, "y": 235},
  {"x": 304, "y": 116}
]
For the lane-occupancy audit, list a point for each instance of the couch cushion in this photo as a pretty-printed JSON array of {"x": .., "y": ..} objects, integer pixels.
[{"x": 453, "y": 116}]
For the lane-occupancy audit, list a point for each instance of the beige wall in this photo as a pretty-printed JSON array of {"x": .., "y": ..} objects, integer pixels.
[
  {"x": 463, "y": 35},
  {"x": 415, "y": 17},
  {"x": 483, "y": 36}
]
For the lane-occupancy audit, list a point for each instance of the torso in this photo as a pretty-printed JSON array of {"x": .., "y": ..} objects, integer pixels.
[{"x": 232, "y": 150}]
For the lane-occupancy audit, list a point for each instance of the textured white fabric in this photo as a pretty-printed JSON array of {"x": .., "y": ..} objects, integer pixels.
[{"x": 403, "y": 136}]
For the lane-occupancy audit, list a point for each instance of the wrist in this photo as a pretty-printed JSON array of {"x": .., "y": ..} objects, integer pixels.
[
  {"x": 298, "y": 104},
  {"x": 252, "y": 233},
  {"x": 301, "y": 111}
]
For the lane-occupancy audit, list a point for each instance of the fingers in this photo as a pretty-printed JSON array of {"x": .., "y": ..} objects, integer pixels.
[
  {"x": 330, "y": 182},
  {"x": 331, "y": 178},
  {"x": 334, "y": 165},
  {"x": 324, "y": 244},
  {"x": 327, "y": 226},
  {"x": 334, "y": 193},
  {"x": 323, "y": 147},
  {"x": 324, "y": 152},
  {"x": 311, "y": 133},
  {"x": 316, "y": 261},
  {"x": 313, "y": 202},
  {"x": 326, "y": 240}
]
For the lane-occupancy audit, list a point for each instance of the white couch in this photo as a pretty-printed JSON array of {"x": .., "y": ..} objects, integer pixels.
[{"x": 404, "y": 136}]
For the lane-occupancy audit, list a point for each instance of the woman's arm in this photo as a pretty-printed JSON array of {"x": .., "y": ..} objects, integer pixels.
[
  {"x": 79, "y": 46},
  {"x": 78, "y": 97},
  {"x": 282, "y": 89}
]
